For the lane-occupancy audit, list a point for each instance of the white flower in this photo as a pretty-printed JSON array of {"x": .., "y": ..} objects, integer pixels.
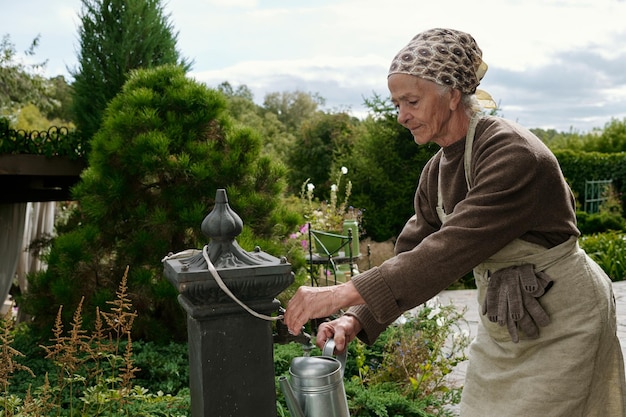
[
  {"x": 434, "y": 312},
  {"x": 333, "y": 211},
  {"x": 433, "y": 302}
]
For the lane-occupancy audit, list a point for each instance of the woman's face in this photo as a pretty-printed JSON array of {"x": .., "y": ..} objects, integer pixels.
[{"x": 423, "y": 108}]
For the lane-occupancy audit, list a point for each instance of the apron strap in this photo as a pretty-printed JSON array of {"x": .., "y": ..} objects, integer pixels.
[
  {"x": 467, "y": 164},
  {"x": 469, "y": 142}
]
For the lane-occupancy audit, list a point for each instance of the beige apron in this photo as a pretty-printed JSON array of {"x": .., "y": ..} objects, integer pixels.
[{"x": 575, "y": 367}]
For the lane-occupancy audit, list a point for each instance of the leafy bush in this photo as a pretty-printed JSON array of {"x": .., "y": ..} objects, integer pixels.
[
  {"x": 604, "y": 236},
  {"x": 383, "y": 400},
  {"x": 385, "y": 182},
  {"x": 420, "y": 353},
  {"x": 600, "y": 222},
  {"x": 608, "y": 218},
  {"x": 162, "y": 367},
  {"x": 609, "y": 251},
  {"x": 88, "y": 373},
  {"x": 404, "y": 372},
  {"x": 105, "y": 373},
  {"x": 579, "y": 167},
  {"x": 165, "y": 146}
]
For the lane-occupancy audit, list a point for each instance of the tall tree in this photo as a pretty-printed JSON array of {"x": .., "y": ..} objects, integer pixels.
[
  {"x": 320, "y": 140},
  {"x": 385, "y": 165},
  {"x": 20, "y": 85},
  {"x": 61, "y": 94},
  {"x": 117, "y": 36},
  {"x": 277, "y": 139},
  {"x": 293, "y": 108},
  {"x": 612, "y": 139}
]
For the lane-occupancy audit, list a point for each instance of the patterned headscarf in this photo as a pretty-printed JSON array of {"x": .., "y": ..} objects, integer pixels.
[{"x": 445, "y": 56}]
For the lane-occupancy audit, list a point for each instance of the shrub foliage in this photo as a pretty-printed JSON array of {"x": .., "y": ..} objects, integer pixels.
[
  {"x": 88, "y": 373},
  {"x": 166, "y": 145}
]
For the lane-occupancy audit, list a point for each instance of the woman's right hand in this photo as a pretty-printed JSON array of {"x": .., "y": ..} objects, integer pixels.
[{"x": 343, "y": 330}]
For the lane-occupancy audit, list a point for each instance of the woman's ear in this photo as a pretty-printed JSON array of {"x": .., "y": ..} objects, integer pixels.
[{"x": 455, "y": 99}]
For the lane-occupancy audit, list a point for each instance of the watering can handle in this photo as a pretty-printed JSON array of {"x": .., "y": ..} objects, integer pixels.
[{"x": 329, "y": 349}]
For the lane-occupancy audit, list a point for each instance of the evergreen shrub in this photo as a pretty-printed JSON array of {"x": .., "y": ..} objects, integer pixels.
[{"x": 165, "y": 146}]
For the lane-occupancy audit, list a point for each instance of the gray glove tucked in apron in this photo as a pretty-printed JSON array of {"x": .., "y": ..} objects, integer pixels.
[{"x": 512, "y": 299}]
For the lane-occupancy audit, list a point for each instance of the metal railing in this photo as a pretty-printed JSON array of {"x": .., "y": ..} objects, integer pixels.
[
  {"x": 56, "y": 141},
  {"x": 596, "y": 192}
]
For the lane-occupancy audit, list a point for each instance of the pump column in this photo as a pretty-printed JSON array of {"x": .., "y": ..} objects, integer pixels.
[{"x": 230, "y": 350}]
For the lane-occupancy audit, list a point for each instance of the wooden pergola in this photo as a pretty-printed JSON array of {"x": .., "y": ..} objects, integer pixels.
[
  {"x": 39, "y": 166},
  {"x": 32, "y": 178}
]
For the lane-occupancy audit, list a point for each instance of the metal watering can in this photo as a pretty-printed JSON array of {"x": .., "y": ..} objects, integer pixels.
[{"x": 316, "y": 388}]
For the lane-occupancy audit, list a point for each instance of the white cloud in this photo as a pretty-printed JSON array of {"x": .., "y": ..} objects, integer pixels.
[{"x": 552, "y": 63}]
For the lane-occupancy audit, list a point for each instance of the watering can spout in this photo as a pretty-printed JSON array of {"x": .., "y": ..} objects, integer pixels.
[{"x": 290, "y": 398}]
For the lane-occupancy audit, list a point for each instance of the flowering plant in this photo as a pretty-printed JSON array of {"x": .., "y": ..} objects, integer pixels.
[
  {"x": 422, "y": 349},
  {"x": 327, "y": 215}
]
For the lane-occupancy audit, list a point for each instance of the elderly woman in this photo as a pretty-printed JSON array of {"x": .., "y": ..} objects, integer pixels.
[{"x": 492, "y": 200}]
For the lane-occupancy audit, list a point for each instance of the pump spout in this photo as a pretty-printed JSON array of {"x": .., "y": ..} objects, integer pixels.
[{"x": 290, "y": 398}]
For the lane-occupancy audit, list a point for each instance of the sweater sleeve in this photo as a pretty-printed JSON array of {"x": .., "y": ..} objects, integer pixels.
[
  {"x": 424, "y": 222},
  {"x": 517, "y": 189}
]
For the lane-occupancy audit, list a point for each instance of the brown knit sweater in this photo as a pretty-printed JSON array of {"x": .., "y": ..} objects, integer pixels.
[{"x": 518, "y": 191}]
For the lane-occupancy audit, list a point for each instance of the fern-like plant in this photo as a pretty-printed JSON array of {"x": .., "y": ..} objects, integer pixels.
[{"x": 95, "y": 370}]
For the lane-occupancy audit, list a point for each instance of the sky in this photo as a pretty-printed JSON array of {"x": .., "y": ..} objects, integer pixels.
[{"x": 553, "y": 64}]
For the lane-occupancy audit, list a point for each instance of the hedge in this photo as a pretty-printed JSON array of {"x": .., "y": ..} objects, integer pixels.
[{"x": 579, "y": 167}]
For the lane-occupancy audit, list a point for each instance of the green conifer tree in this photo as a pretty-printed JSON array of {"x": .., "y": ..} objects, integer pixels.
[
  {"x": 166, "y": 145},
  {"x": 117, "y": 36}
]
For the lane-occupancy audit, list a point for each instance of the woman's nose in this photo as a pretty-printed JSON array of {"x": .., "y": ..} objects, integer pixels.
[{"x": 403, "y": 116}]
